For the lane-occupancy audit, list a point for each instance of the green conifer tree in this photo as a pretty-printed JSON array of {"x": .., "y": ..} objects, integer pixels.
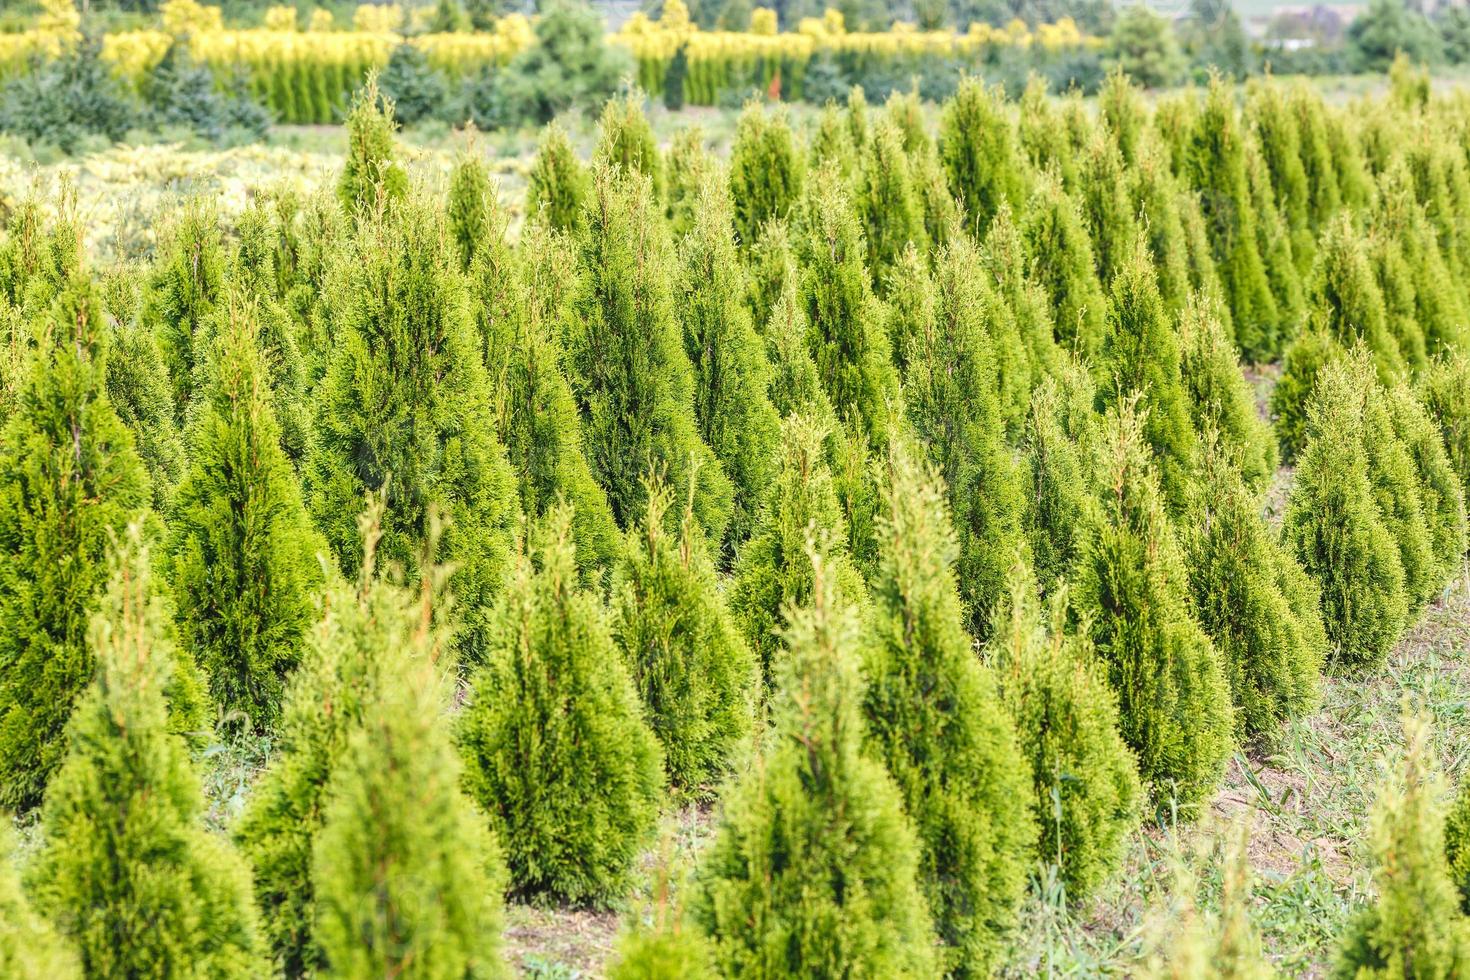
[
  {"x": 795, "y": 388},
  {"x": 1337, "y": 532},
  {"x": 72, "y": 483},
  {"x": 772, "y": 271},
  {"x": 891, "y": 212},
  {"x": 627, "y": 357},
  {"x": 1291, "y": 397},
  {"x": 1346, "y": 300},
  {"x": 1284, "y": 270},
  {"x": 1063, "y": 264},
  {"x": 1457, "y": 843},
  {"x": 1154, "y": 195},
  {"x": 405, "y": 404},
  {"x": 731, "y": 374},
  {"x": 689, "y": 165},
  {"x": 766, "y": 172},
  {"x": 1440, "y": 494},
  {"x": 830, "y": 146},
  {"x": 625, "y": 142},
  {"x": 558, "y": 187},
  {"x": 1324, "y": 196},
  {"x": 1404, "y": 229},
  {"x": 471, "y": 197},
  {"x": 932, "y": 714},
  {"x": 1269, "y": 116},
  {"x": 1414, "y": 928},
  {"x": 1057, "y": 488},
  {"x": 1042, "y": 133},
  {"x": 187, "y": 282},
  {"x": 697, "y": 678},
  {"x": 406, "y": 877},
  {"x": 1132, "y": 586},
  {"x": 979, "y": 153},
  {"x": 30, "y": 948},
  {"x": 127, "y": 872},
  {"x": 1102, "y": 194},
  {"x": 242, "y": 551},
  {"x": 1445, "y": 391},
  {"x": 1025, "y": 308},
  {"x": 555, "y": 747},
  {"x": 814, "y": 867},
  {"x": 1085, "y": 792},
  {"x": 371, "y": 172},
  {"x": 667, "y": 947},
  {"x": 1219, "y": 396}
]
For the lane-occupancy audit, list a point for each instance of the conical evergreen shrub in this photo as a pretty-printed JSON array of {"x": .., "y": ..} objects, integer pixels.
[
  {"x": 30, "y": 948},
  {"x": 1445, "y": 391},
  {"x": 689, "y": 166},
  {"x": 72, "y": 483},
  {"x": 471, "y": 198},
  {"x": 979, "y": 154},
  {"x": 1251, "y": 597},
  {"x": 625, "y": 142},
  {"x": 771, "y": 271},
  {"x": 555, "y": 747},
  {"x": 1219, "y": 396},
  {"x": 891, "y": 212},
  {"x": 558, "y": 187},
  {"x": 795, "y": 388},
  {"x": 1414, "y": 928},
  {"x": 1102, "y": 195},
  {"x": 1062, "y": 263},
  {"x": 766, "y": 172},
  {"x": 1154, "y": 195},
  {"x": 1004, "y": 254},
  {"x": 1133, "y": 588},
  {"x": 814, "y": 866},
  {"x": 370, "y": 172},
  {"x": 1337, "y": 532},
  {"x": 1057, "y": 483},
  {"x": 1042, "y": 132},
  {"x": 1457, "y": 843},
  {"x": 242, "y": 549},
  {"x": 1291, "y": 397},
  {"x": 668, "y": 948},
  {"x": 406, "y": 877},
  {"x": 405, "y": 405},
  {"x": 1284, "y": 270},
  {"x": 187, "y": 283},
  {"x": 731, "y": 374},
  {"x": 696, "y": 676},
  {"x": 830, "y": 146},
  {"x": 1085, "y": 794},
  {"x": 127, "y": 873},
  {"x": 1346, "y": 301},
  {"x": 1441, "y": 495},
  {"x": 1439, "y": 310},
  {"x": 936, "y": 722}
]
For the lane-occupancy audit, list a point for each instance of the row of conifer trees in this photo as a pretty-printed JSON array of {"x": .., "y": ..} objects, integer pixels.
[{"x": 901, "y": 493}]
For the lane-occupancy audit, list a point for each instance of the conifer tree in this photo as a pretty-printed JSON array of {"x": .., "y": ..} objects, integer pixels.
[
  {"x": 406, "y": 877},
  {"x": 800, "y": 512},
  {"x": 471, "y": 195},
  {"x": 1457, "y": 843},
  {"x": 127, "y": 873},
  {"x": 954, "y": 407},
  {"x": 1219, "y": 396},
  {"x": 689, "y": 166},
  {"x": 1284, "y": 270},
  {"x": 1057, "y": 491},
  {"x": 1025, "y": 309},
  {"x": 371, "y": 172},
  {"x": 72, "y": 483},
  {"x": 1063, "y": 264},
  {"x": 1123, "y": 114},
  {"x": 1042, "y": 133},
  {"x": 242, "y": 551},
  {"x": 831, "y": 147},
  {"x": 1441, "y": 497},
  {"x": 30, "y": 948},
  {"x": 1334, "y": 526},
  {"x": 771, "y": 271},
  {"x": 1269, "y": 115},
  {"x": 1346, "y": 301},
  {"x": 405, "y": 404},
  {"x": 669, "y": 946},
  {"x": 632, "y": 373},
  {"x": 1214, "y": 165},
  {"x": 555, "y": 747},
  {"x": 695, "y": 674},
  {"x": 1154, "y": 195},
  {"x": 625, "y": 142},
  {"x": 814, "y": 867},
  {"x": 979, "y": 154},
  {"x": 1141, "y": 360},
  {"x": 1291, "y": 398},
  {"x": 558, "y": 187},
  {"x": 766, "y": 172},
  {"x": 1102, "y": 195},
  {"x": 1439, "y": 309},
  {"x": 1445, "y": 391},
  {"x": 892, "y": 215},
  {"x": 844, "y": 322},
  {"x": 1085, "y": 792},
  {"x": 734, "y": 415},
  {"x": 524, "y": 297},
  {"x": 1132, "y": 586},
  {"x": 187, "y": 283},
  {"x": 1414, "y": 928},
  {"x": 909, "y": 303},
  {"x": 933, "y": 716},
  {"x": 795, "y": 388},
  {"x": 1252, "y": 598}
]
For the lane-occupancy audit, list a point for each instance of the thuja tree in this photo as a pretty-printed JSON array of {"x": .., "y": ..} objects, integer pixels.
[
  {"x": 371, "y": 173},
  {"x": 1414, "y": 926},
  {"x": 72, "y": 483},
  {"x": 731, "y": 374},
  {"x": 1346, "y": 300},
  {"x": 1404, "y": 228},
  {"x": 772, "y": 271},
  {"x": 407, "y": 878},
  {"x": 814, "y": 866},
  {"x": 1154, "y": 194},
  {"x": 689, "y": 165},
  {"x": 405, "y": 405},
  {"x": 555, "y": 746},
  {"x": 801, "y": 513},
  {"x": 1457, "y": 843},
  {"x": 1269, "y": 115},
  {"x": 1214, "y": 165},
  {"x": 1084, "y": 795},
  {"x": 1219, "y": 396},
  {"x": 625, "y": 141},
  {"x": 558, "y": 187},
  {"x": 1251, "y": 596},
  {"x": 934, "y": 719},
  {"x": 1133, "y": 588},
  {"x": 1334, "y": 526},
  {"x": 243, "y": 561},
  {"x": 1291, "y": 398},
  {"x": 844, "y": 322},
  {"x": 978, "y": 150},
  {"x": 766, "y": 171},
  {"x": 1441, "y": 496},
  {"x": 186, "y": 284},
  {"x": 952, "y": 389},
  {"x": 1102, "y": 194},
  {"x": 830, "y": 145},
  {"x": 1445, "y": 392},
  {"x": 1273, "y": 241},
  {"x": 30, "y": 948},
  {"x": 1020, "y": 321},
  {"x": 127, "y": 872},
  {"x": 1141, "y": 361},
  {"x": 892, "y": 215},
  {"x": 522, "y": 300},
  {"x": 468, "y": 207},
  {"x": 1057, "y": 488},
  {"x": 1062, "y": 263},
  {"x": 694, "y": 672},
  {"x": 795, "y": 387}
]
